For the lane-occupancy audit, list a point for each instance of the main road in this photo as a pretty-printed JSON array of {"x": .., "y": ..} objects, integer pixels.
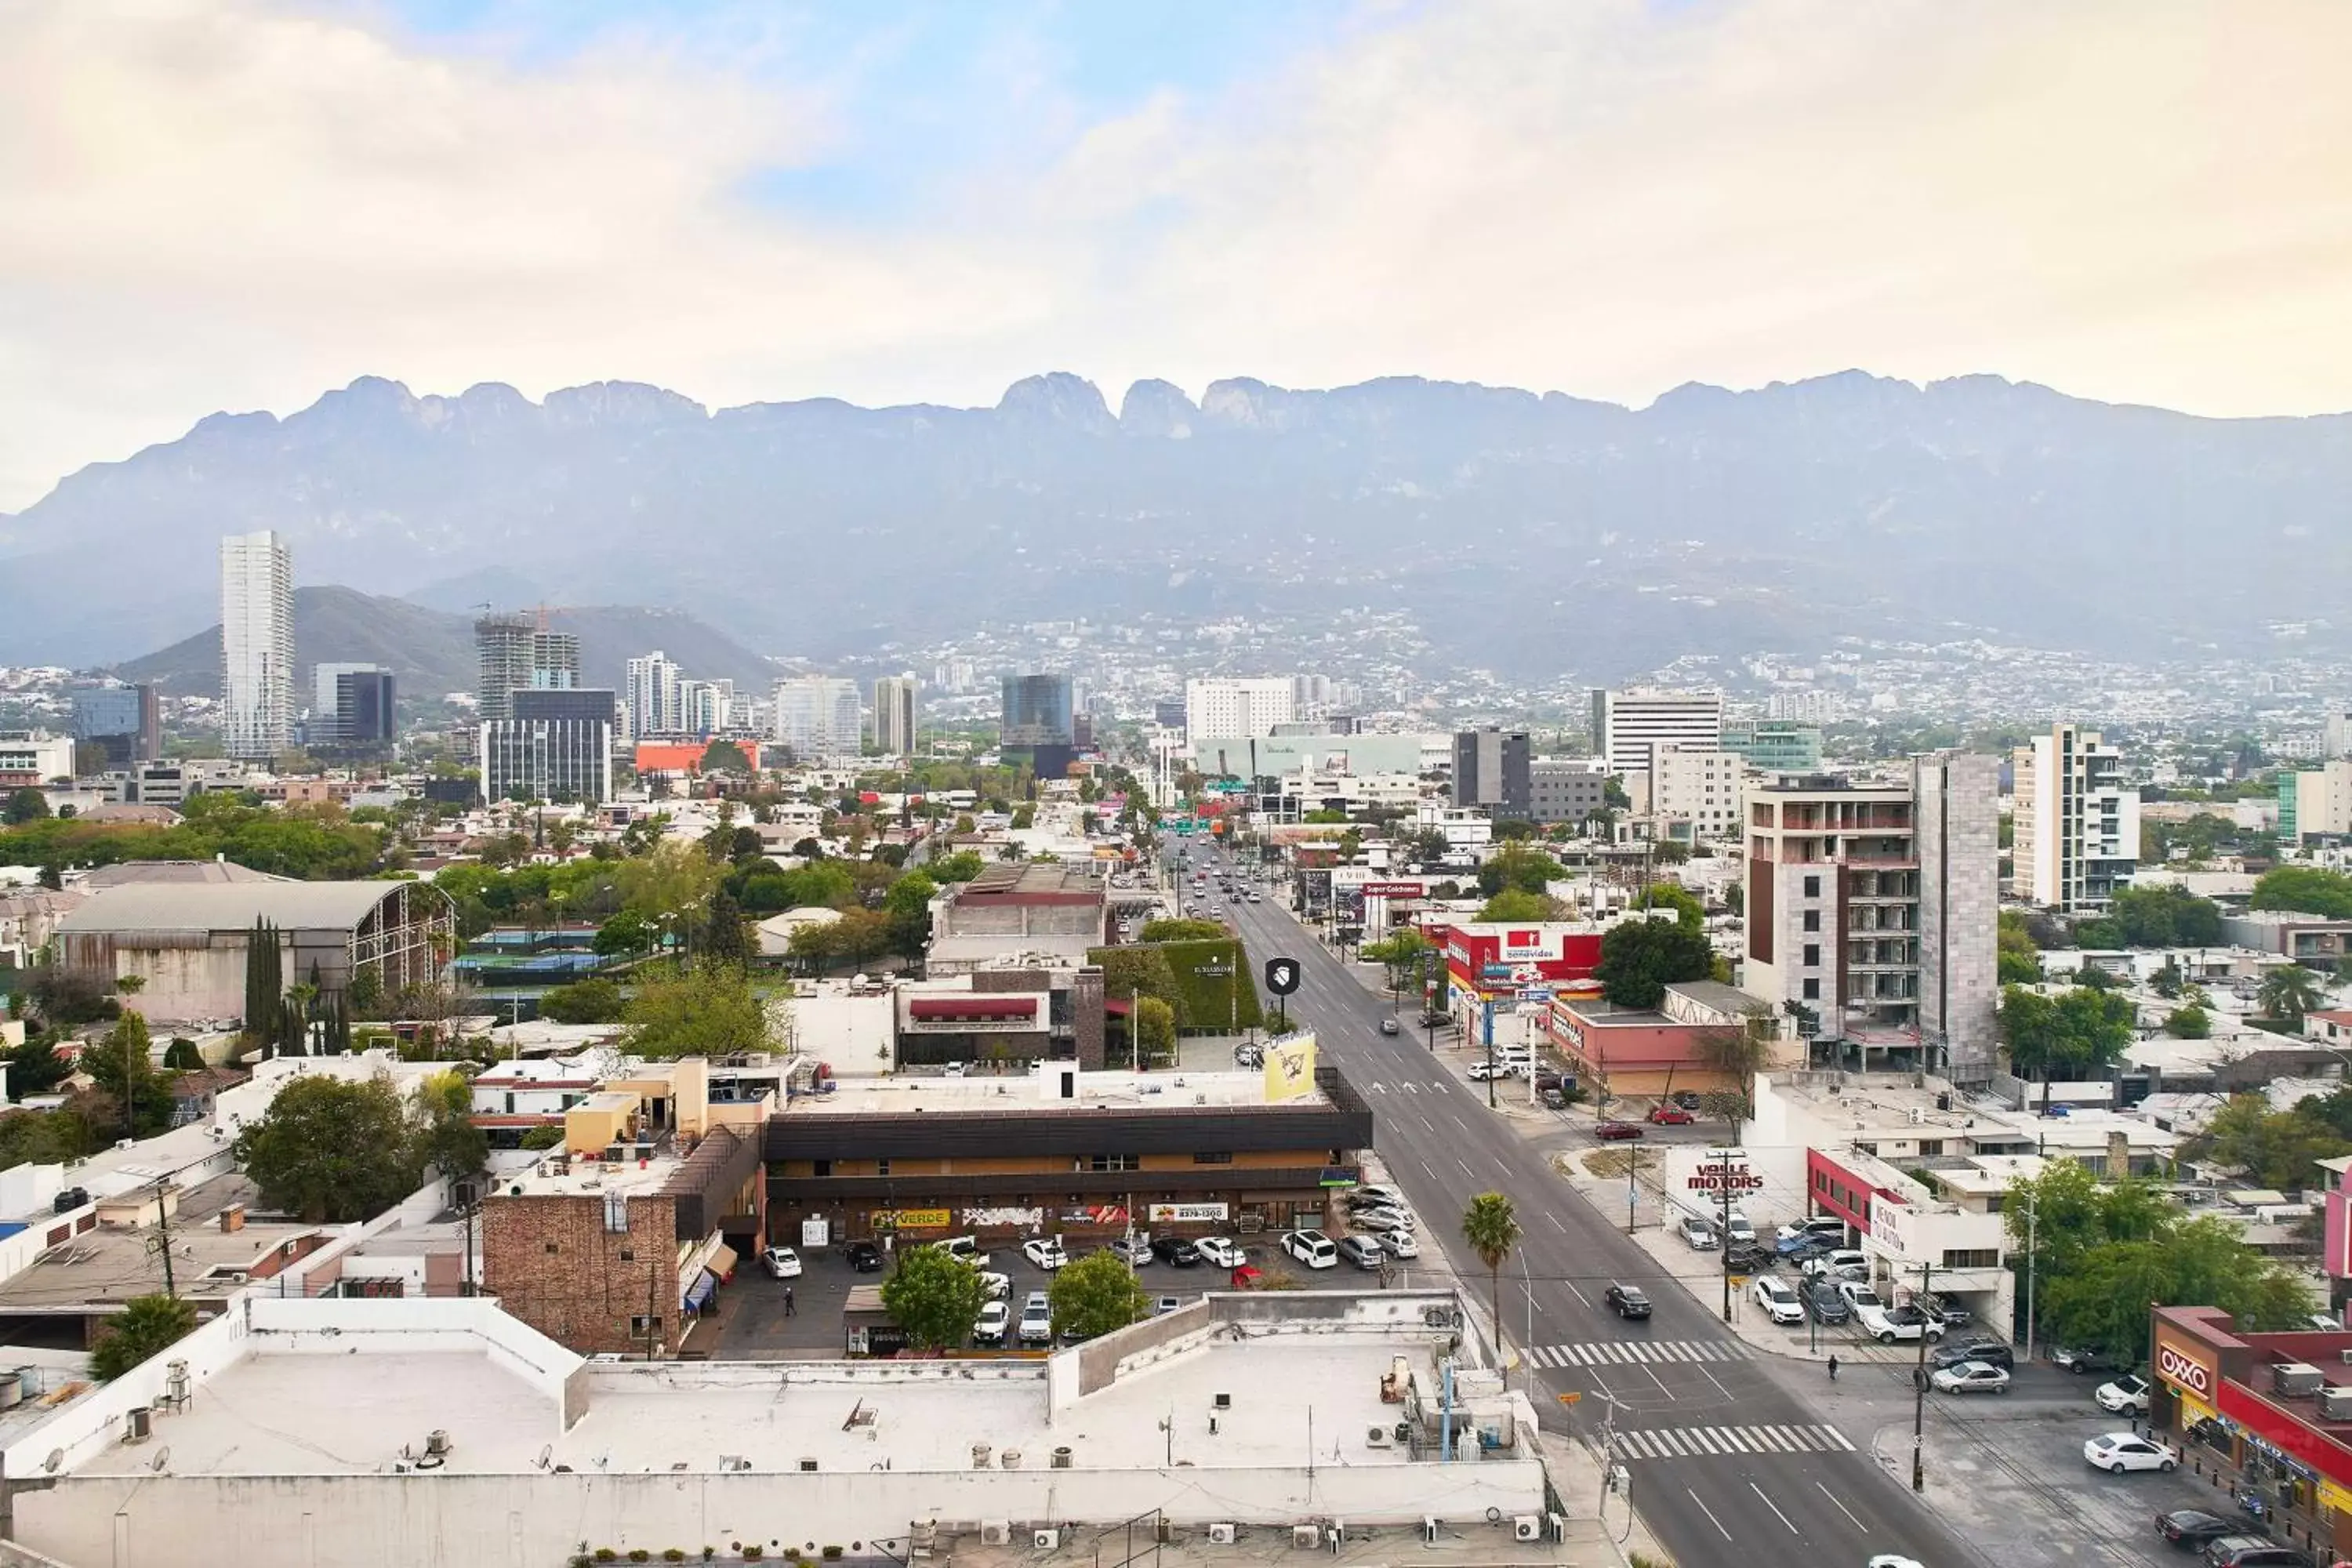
[{"x": 1726, "y": 1464}]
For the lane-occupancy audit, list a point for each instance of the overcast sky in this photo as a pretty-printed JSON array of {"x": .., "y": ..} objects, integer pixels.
[{"x": 238, "y": 204}]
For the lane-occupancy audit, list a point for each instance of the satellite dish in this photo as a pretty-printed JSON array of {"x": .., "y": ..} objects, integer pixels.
[
  {"x": 57, "y": 1456},
  {"x": 163, "y": 1457},
  {"x": 546, "y": 1452}
]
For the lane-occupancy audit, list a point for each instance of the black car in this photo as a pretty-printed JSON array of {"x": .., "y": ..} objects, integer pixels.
[
  {"x": 1745, "y": 1256},
  {"x": 1992, "y": 1353},
  {"x": 2083, "y": 1361},
  {"x": 2194, "y": 1527},
  {"x": 864, "y": 1256},
  {"x": 1822, "y": 1300},
  {"x": 1176, "y": 1250},
  {"x": 1687, "y": 1099},
  {"x": 1627, "y": 1301}
]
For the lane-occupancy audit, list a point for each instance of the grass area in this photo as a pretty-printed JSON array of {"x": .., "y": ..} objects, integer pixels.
[
  {"x": 1224, "y": 998},
  {"x": 1609, "y": 1163}
]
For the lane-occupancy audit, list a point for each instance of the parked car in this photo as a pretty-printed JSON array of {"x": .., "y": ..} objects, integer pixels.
[
  {"x": 1311, "y": 1247},
  {"x": 1738, "y": 1230},
  {"x": 1670, "y": 1115},
  {"x": 1992, "y": 1353},
  {"x": 1176, "y": 1250},
  {"x": 2082, "y": 1360},
  {"x": 863, "y": 1256},
  {"x": 1376, "y": 1192},
  {"x": 2127, "y": 1395},
  {"x": 995, "y": 1287},
  {"x": 1037, "y": 1320},
  {"x": 1686, "y": 1097},
  {"x": 1363, "y": 1251},
  {"x": 1388, "y": 1026},
  {"x": 1946, "y": 1310},
  {"x": 1627, "y": 1301},
  {"x": 1828, "y": 1226},
  {"x": 1745, "y": 1256},
  {"x": 2194, "y": 1527},
  {"x": 989, "y": 1328},
  {"x": 1826, "y": 1305},
  {"x": 2116, "y": 1452},
  {"x": 1165, "y": 1305},
  {"x": 1698, "y": 1233},
  {"x": 1135, "y": 1250},
  {"x": 1480, "y": 1072},
  {"x": 1220, "y": 1251},
  {"x": 1379, "y": 1219},
  {"x": 1778, "y": 1301},
  {"x": 1889, "y": 1324},
  {"x": 1829, "y": 1263},
  {"x": 780, "y": 1262},
  {"x": 1046, "y": 1252},
  {"x": 966, "y": 1247},
  {"x": 1857, "y": 1293},
  {"x": 1614, "y": 1131},
  {"x": 1398, "y": 1243},
  {"x": 1246, "y": 1277},
  {"x": 2251, "y": 1552},
  {"x": 1970, "y": 1378}
]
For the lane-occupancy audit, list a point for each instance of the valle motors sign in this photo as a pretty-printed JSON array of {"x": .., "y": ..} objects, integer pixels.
[{"x": 1721, "y": 1170}]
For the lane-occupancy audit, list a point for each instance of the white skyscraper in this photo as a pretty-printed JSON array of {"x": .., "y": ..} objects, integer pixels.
[
  {"x": 818, "y": 716},
  {"x": 657, "y": 704},
  {"x": 257, "y": 645},
  {"x": 1626, "y": 724},
  {"x": 1226, "y": 707},
  {"x": 893, "y": 715}
]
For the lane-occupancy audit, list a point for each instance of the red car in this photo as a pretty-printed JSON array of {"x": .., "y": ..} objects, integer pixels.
[
  {"x": 1247, "y": 1278},
  {"x": 1617, "y": 1130},
  {"x": 1670, "y": 1116}
]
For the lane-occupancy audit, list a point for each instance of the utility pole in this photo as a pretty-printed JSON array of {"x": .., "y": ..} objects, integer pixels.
[
  {"x": 1919, "y": 1388},
  {"x": 2033, "y": 1214},
  {"x": 1723, "y": 1235},
  {"x": 164, "y": 1234}
]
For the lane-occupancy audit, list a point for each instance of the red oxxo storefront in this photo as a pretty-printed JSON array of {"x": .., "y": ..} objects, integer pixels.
[{"x": 2256, "y": 1406}]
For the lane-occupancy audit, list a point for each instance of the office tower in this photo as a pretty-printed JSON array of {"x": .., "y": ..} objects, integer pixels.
[
  {"x": 1701, "y": 787},
  {"x": 352, "y": 706},
  {"x": 653, "y": 694},
  {"x": 1225, "y": 707},
  {"x": 1491, "y": 768},
  {"x": 1168, "y": 712},
  {"x": 893, "y": 715},
  {"x": 127, "y": 722},
  {"x": 257, "y": 645},
  {"x": 1566, "y": 789},
  {"x": 555, "y": 744},
  {"x": 1626, "y": 724},
  {"x": 818, "y": 716},
  {"x": 518, "y": 653},
  {"x": 1034, "y": 710},
  {"x": 2077, "y": 823},
  {"x": 1775, "y": 745},
  {"x": 1956, "y": 798}
]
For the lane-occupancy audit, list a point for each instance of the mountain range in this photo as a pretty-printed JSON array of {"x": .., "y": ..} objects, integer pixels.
[
  {"x": 1527, "y": 533},
  {"x": 431, "y": 652}
]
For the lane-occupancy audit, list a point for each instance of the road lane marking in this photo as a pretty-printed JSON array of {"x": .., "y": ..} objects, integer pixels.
[
  {"x": 1769, "y": 1503},
  {"x": 1841, "y": 1507},
  {"x": 1555, "y": 1221},
  {"x": 1465, "y": 1167},
  {"x": 1708, "y": 1512},
  {"x": 1703, "y": 1442},
  {"x": 1659, "y": 1382}
]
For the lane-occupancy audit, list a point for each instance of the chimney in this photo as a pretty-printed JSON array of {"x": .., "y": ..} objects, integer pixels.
[{"x": 2118, "y": 1155}]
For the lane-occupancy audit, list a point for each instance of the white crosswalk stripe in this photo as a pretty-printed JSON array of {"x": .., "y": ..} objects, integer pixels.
[
  {"x": 1713, "y": 1442},
  {"x": 1624, "y": 1353}
]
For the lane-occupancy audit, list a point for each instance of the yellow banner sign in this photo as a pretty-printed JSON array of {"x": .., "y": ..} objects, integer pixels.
[
  {"x": 1290, "y": 1069},
  {"x": 912, "y": 1219}
]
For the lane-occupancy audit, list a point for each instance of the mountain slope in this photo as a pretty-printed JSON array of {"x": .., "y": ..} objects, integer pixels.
[
  {"x": 431, "y": 652},
  {"x": 1527, "y": 533}
]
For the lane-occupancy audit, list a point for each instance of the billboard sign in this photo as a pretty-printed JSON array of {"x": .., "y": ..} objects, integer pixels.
[
  {"x": 1187, "y": 1214},
  {"x": 1724, "y": 1170},
  {"x": 1393, "y": 889},
  {"x": 1289, "y": 1068}
]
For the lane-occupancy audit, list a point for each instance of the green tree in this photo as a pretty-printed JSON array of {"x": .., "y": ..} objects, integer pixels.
[
  {"x": 2167, "y": 982},
  {"x": 1737, "y": 1053},
  {"x": 146, "y": 1326},
  {"x": 1154, "y": 1023},
  {"x": 2190, "y": 1022},
  {"x": 2288, "y": 991},
  {"x": 595, "y": 1000},
  {"x": 935, "y": 1296},
  {"x": 2166, "y": 916},
  {"x": 1181, "y": 931},
  {"x": 1521, "y": 866},
  {"x": 181, "y": 1055},
  {"x": 2274, "y": 1148},
  {"x": 705, "y": 1010},
  {"x": 332, "y": 1151},
  {"x": 2019, "y": 958},
  {"x": 122, "y": 1068},
  {"x": 2078, "y": 1032},
  {"x": 726, "y": 757},
  {"x": 2304, "y": 889},
  {"x": 1026, "y": 817},
  {"x": 24, "y": 804},
  {"x": 1401, "y": 953},
  {"x": 265, "y": 986},
  {"x": 442, "y": 1127},
  {"x": 1688, "y": 911},
  {"x": 1639, "y": 958},
  {"x": 35, "y": 1067},
  {"x": 907, "y": 908},
  {"x": 1512, "y": 907},
  {"x": 860, "y": 936},
  {"x": 960, "y": 866},
  {"x": 1491, "y": 1227},
  {"x": 723, "y": 941},
  {"x": 1095, "y": 1295},
  {"x": 627, "y": 934}
]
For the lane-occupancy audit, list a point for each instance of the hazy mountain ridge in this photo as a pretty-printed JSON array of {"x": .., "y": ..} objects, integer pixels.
[{"x": 1520, "y": 527}]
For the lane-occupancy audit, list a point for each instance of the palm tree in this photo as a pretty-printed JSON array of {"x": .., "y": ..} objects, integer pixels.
[
  {"x": 1491, "y": 1226},
  {"x": 2289, "y": 991}
]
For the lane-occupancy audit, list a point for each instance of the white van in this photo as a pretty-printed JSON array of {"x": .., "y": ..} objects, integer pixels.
[{"x": 1311, "y": 1247}]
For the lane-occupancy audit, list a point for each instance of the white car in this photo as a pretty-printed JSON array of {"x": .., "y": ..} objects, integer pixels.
[
  {"x": 1398, "y": 1243},
  {"x": 1858, "y": 1295},
  {"x": 1737, "y": 1229},
  {"x": 966, "y": 1247},
  {"x": 2127, "y": 1395},
  {"x": 1893, "y": 1560},
  {"x": 1376, "y": 1193},
  {"x": 780, "y": 1262},
  {"x": 988, "y": 1327},
  {"x": 1220, "y": 1251},
  {"x": 1480, "y": 1072},
  {"x": 1970, "y": 1378},
  {"x": 1698, "y": 1233},
  {"x": 1780, "y": 1302},
  {"x": 1887, "y": 1324},
  {"x": 2116, "y": 1452},
  {"x": 1133, "y": 1250},
  {"x": 1044, "y": 1251},
  {"x": 995, "y": 1287},
  {"x": 1829, "y": 1263},
  {"x": 1311, "y": 1247}
]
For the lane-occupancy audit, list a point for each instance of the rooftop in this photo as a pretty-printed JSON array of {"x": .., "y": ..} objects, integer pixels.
[
  {"x": 995, "y": 1094},
  {"x": 558, "y": 1175},
  {"x": 1032, "y": 883},
  {"x": 229, "y": 906},
  {"x": 110, "y": 1264}
]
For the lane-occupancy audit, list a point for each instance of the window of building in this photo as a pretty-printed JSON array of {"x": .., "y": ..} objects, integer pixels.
[
  {"x": 628, "y": 1255},
  {"x": 510, "y": 1102},
  {"x": 821, "y": 1167},
  {"x": 1813, "y": 920},
  {"x": 1813, "y": 955},
  {"x": 1930, "y": 1146},
  {"x": 551, "y": 1247},
  {"x": 644, "y": 1328},
  {"x": 1971, "y": 1257},
  {"x": 1813, "y": 887},
  {"x": 616, "y": 1212},
  {"x": 1812, "y": 991},
  {"x": 1216, "y": 1158},
  {"x": 881, "y": 1167},
  {"x": 1113, "y": 1163}
]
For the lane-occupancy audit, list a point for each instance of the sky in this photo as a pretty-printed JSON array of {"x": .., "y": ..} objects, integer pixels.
[{"x": 235, "y": 205}]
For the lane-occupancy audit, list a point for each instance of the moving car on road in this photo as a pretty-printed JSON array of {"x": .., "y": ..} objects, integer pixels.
[
  {"x": 1627, "y": 1301},
  {"x": 780, "y": 1262},
  {"x": 1970, "y": 1378},
  {"x": 1388, "y": 1026},
  {"x": 1888, "y": 1324},
  {"x": 2116, "y": 1452},
  {"x": 1670, "y": 1115},
  {"x": 1612, "y": 1131}
]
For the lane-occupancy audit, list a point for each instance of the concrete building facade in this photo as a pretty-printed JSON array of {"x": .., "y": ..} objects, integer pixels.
[
  {"x": 818, "y": 716},
  {"x": 257, "y": 645},
  {"x": 1566, "y": 789},
  {"x": 893, "y": 715},
  {"x": 1491, "y": 770},
  {"x": 1698, "y": 786},
  {"x": 1231, "y": 705},
  {"x": 1626, "y": 724},
  {"x": 2077, "y": 823}
]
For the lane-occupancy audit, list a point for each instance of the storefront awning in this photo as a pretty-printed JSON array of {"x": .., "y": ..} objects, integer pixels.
[
  {"x": 698, "y": 1294},
  {"x": 976, "y": 1007}
]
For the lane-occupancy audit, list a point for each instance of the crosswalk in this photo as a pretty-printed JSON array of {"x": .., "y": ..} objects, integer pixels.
[
  {"x": 1709, "y": 1442},
  {"x": 1624, "y": 1353}
]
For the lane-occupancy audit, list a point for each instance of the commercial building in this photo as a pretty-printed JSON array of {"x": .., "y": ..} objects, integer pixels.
[
  {"x": 2315, "y": 803},
  {"x": 1697, "y": 791},
  {"x": 556, "y": 745},
  {"x": 893, "y": 715},
  {"x": 706, "y": 707},
  {"x": 1168, "y": 712},
  {"x": 353, "y": 707},
  {"x": 2315, "y": 941},
  {"x": 33, "y": 758},
  {"x": 1626, "y": 724},
  {"x": 1062, "y": 1152},
  {"x": 188, "y": 940},
  {"x": 651, "y": 685},
  {"x": 1055, "y": 913},
  {"x": 1775, "y": 745},
  {"x": 1649, "y": 1053},
  {"x": 1566, "y": 789},
  {"x": 1491, "y": 771},
  {"x": 257, "y": 645},
  {"x": 1871, "y": 908},
  {"x": 127, "y": 721},
  {"x": 1038, "y": 719},
  {"x": 518, "y": 653},
  {"x": 2077, "y": 823},
  {"x": 1229, "y": 705},
  {"x": 818, "y": 716},
  {"x": 1002, "y": 1018}
]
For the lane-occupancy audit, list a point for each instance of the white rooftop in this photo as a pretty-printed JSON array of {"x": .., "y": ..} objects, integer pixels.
[{"x": 993, "y": 1094}]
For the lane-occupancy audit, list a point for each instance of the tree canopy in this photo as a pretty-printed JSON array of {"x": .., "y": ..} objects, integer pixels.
[
  {"x": 331, "y": 1151},
  {"x": 1515, "y": 906},
  {"x": 2020, "y": 957},
  {"x": 702, "y": 1010},
  {"x": 2079, "y": 1031},
  {"x": 1521, "y": 866},
  {"x": 934, "y": 1296},
  {"x": 1639, "y": 958},
  {"x": 1676, "y": 897},
  {"x": 2304, "y": 889},
  {"x": 146, "y": 1326},
  {"x": 1095, "y": 1295}
]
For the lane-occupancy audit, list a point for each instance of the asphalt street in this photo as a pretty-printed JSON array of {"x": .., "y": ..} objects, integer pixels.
[{"x": 1726, "y": 1466}]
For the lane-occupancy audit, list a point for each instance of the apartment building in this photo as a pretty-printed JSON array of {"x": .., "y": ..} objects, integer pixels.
[
  {"x": 652, "y": 690},
  {"x": 1627, "y": 724},
  {"x": 1701, "y": 787},
  {"x": 1491, "y": 770},
  {"x": 2077, "y": 823},
  {"x": 1871, "y": 907},
  {"x": 1566, "y": 789},
  {"x": 818, "y": 716},
  {"x": 256, "y": 580},
  {"x": 1242, "y": 707},
  {"x": 518, "y": 653},
  {"x": 893, "y": 715},
  {"x": 2316, "y": 802}
]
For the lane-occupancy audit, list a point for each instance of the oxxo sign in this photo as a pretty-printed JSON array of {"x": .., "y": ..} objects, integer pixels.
[{"x": 2179, "y": 1367}]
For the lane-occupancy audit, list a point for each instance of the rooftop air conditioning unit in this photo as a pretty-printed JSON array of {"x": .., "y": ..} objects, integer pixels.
[
  {"x": 2335, "y": 1405},
  {"x": 1045, "y": 1540},
  {"x": 1221, "y": 1534},
  {"x": 1556, "y": 1529},
  {"x": 1430, "y": 1523},
  {"x": 1376, "y": 1437},
  {"x": 2297, "y": 1380},
  {"x": 995, "y": 1532},
  {"x": 138, "y": 1423},
  {"x": 1306, "y": 1537},
  {"x": 1527, "y": 1527}
]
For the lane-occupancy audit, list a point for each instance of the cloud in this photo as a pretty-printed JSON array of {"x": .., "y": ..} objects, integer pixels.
[{"x": 234, "y": 203}]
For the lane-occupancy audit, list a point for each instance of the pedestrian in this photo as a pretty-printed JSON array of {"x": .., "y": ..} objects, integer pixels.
[
  {"x": 1832, "y": 1359},
  {"x": 788, "y": 1312}
]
